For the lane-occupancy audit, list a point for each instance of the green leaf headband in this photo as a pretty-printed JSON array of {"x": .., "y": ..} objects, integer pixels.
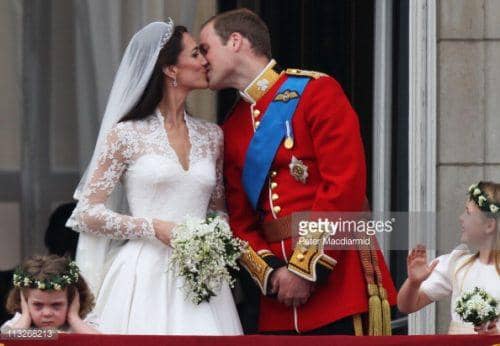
[
  {"x": 21, "y": 279},
  {"x": 480, "y": 197}
]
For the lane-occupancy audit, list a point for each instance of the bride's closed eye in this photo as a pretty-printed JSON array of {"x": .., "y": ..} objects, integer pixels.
[{"x": 195, "y": 52}]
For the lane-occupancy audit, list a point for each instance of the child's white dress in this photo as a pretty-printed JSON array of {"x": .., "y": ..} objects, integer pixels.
[{"x": 445, "y": 281}]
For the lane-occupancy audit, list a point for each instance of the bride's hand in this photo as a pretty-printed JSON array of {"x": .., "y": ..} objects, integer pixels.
[{"x": 163, "y": 230}]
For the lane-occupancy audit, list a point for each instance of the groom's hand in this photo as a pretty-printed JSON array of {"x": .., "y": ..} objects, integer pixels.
[{"x": 292, "y": 289}]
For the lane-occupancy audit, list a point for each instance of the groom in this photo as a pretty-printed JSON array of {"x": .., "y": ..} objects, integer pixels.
[{"x": 292, "y": 144}]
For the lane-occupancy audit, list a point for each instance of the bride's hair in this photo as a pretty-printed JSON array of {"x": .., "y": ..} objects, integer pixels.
[{"x": 153, "y": 93}]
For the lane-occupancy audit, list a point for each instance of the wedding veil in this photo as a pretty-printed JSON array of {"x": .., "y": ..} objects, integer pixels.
[{"x": 132, "y": 77}]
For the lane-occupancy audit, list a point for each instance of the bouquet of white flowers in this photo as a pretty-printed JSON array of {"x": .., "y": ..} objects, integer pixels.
[
  {"x": 477, "y": 306},
  {"x": 203, "y": 253}
]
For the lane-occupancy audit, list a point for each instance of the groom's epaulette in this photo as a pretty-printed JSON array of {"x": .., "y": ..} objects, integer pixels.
[{"x": 304, "y": 73}]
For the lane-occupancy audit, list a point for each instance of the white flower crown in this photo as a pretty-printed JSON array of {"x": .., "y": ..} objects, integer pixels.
[
  {"x": 22, "y": 279},
  {"x": 481, "y": 199}
]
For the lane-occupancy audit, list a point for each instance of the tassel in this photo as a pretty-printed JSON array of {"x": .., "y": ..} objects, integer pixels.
[
  {"x": 374, "y": 311},
  {"x": 358, "y": 325},
  {"x": 386, "y": 312}
]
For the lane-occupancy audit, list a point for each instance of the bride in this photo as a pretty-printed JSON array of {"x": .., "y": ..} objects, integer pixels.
[{"x": 153, "y": 164}]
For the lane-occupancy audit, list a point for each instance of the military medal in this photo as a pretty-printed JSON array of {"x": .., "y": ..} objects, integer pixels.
[
  {"x": 289, "y": 136},
  {"x": 289, "y": 143},
  {"x": 298, "y": 170}
]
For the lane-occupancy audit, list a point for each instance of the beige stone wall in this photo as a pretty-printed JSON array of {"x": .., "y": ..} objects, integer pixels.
[
  {"x": 10, "y": 126},
  {"x": 11, "y": 86},
  {"x": 468, "y": 97},
  {"x": 63, "y": 120}
]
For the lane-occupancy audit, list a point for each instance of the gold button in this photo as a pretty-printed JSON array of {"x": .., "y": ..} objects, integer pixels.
[
  {"x": 275, "y": 196},
  {"x": 277, "y": 209},
  {"x": 274, "y": 174},
  {"x": 257, "y": 123},
  {"x": 300, "y": 257},
  {"x": 256, "y": 113},
  {"x": 274, "y": 185}
]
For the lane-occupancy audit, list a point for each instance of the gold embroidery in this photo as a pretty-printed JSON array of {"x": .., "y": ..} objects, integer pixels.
[
  {"x": 259, "y": 270},
  {"x": 311, "y": 74},
  {"x": 261, "y": 85}
]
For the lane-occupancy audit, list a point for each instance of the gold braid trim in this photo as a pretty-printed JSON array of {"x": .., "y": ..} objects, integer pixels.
[
  {"x": 305, "y": 73},
  {"x": 386, "y": 311},
  {"x": 258, "y": 269},
  {"x": 386, "y": 307},
  {"x": 379, "y": 310},
  {"x": 307, "y": 254},
  {"x": 358, "y": 325},
  {"x": 374, "y": 311}
]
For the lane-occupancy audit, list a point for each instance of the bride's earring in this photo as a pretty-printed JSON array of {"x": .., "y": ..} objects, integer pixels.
[{"x": 174, "y": 83}]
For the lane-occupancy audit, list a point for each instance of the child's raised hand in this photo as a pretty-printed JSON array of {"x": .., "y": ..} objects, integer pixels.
[
  {"x": 25, "y": 320},
  {"x": 74, "y": 308},
  {"x": 76, "y": 324},
  {"x": 417, "y": 267}
]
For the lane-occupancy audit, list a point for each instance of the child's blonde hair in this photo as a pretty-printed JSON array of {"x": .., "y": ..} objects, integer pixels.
[
  {"x": 491, "y": 191},
  {"x": 43, "y": 268}
]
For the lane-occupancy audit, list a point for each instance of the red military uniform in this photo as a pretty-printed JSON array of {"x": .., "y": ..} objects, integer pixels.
[{"x": 327, "y": 140}]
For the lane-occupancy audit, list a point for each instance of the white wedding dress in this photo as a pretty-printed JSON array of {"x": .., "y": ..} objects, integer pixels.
[{"x": 139, "y": 293}]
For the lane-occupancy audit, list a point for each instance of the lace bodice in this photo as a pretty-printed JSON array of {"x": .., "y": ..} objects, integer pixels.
[{"x": 138, "y": 156}]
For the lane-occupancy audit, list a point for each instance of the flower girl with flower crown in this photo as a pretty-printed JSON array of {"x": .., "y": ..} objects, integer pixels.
[
  {"x": 50, "y": 294},
  {"x": 462, "y": 274}
]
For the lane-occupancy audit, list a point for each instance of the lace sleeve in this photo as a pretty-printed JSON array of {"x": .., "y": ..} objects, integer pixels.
[
  {"x": 91, "y": 215},
  {"x": 217, "y": 200}
]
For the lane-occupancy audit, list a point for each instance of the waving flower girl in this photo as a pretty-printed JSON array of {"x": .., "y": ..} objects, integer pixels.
[{"x": 462, "y": 274}]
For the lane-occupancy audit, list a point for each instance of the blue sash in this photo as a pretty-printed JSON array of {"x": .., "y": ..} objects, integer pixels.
[{"x": 268, "y": 137}]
